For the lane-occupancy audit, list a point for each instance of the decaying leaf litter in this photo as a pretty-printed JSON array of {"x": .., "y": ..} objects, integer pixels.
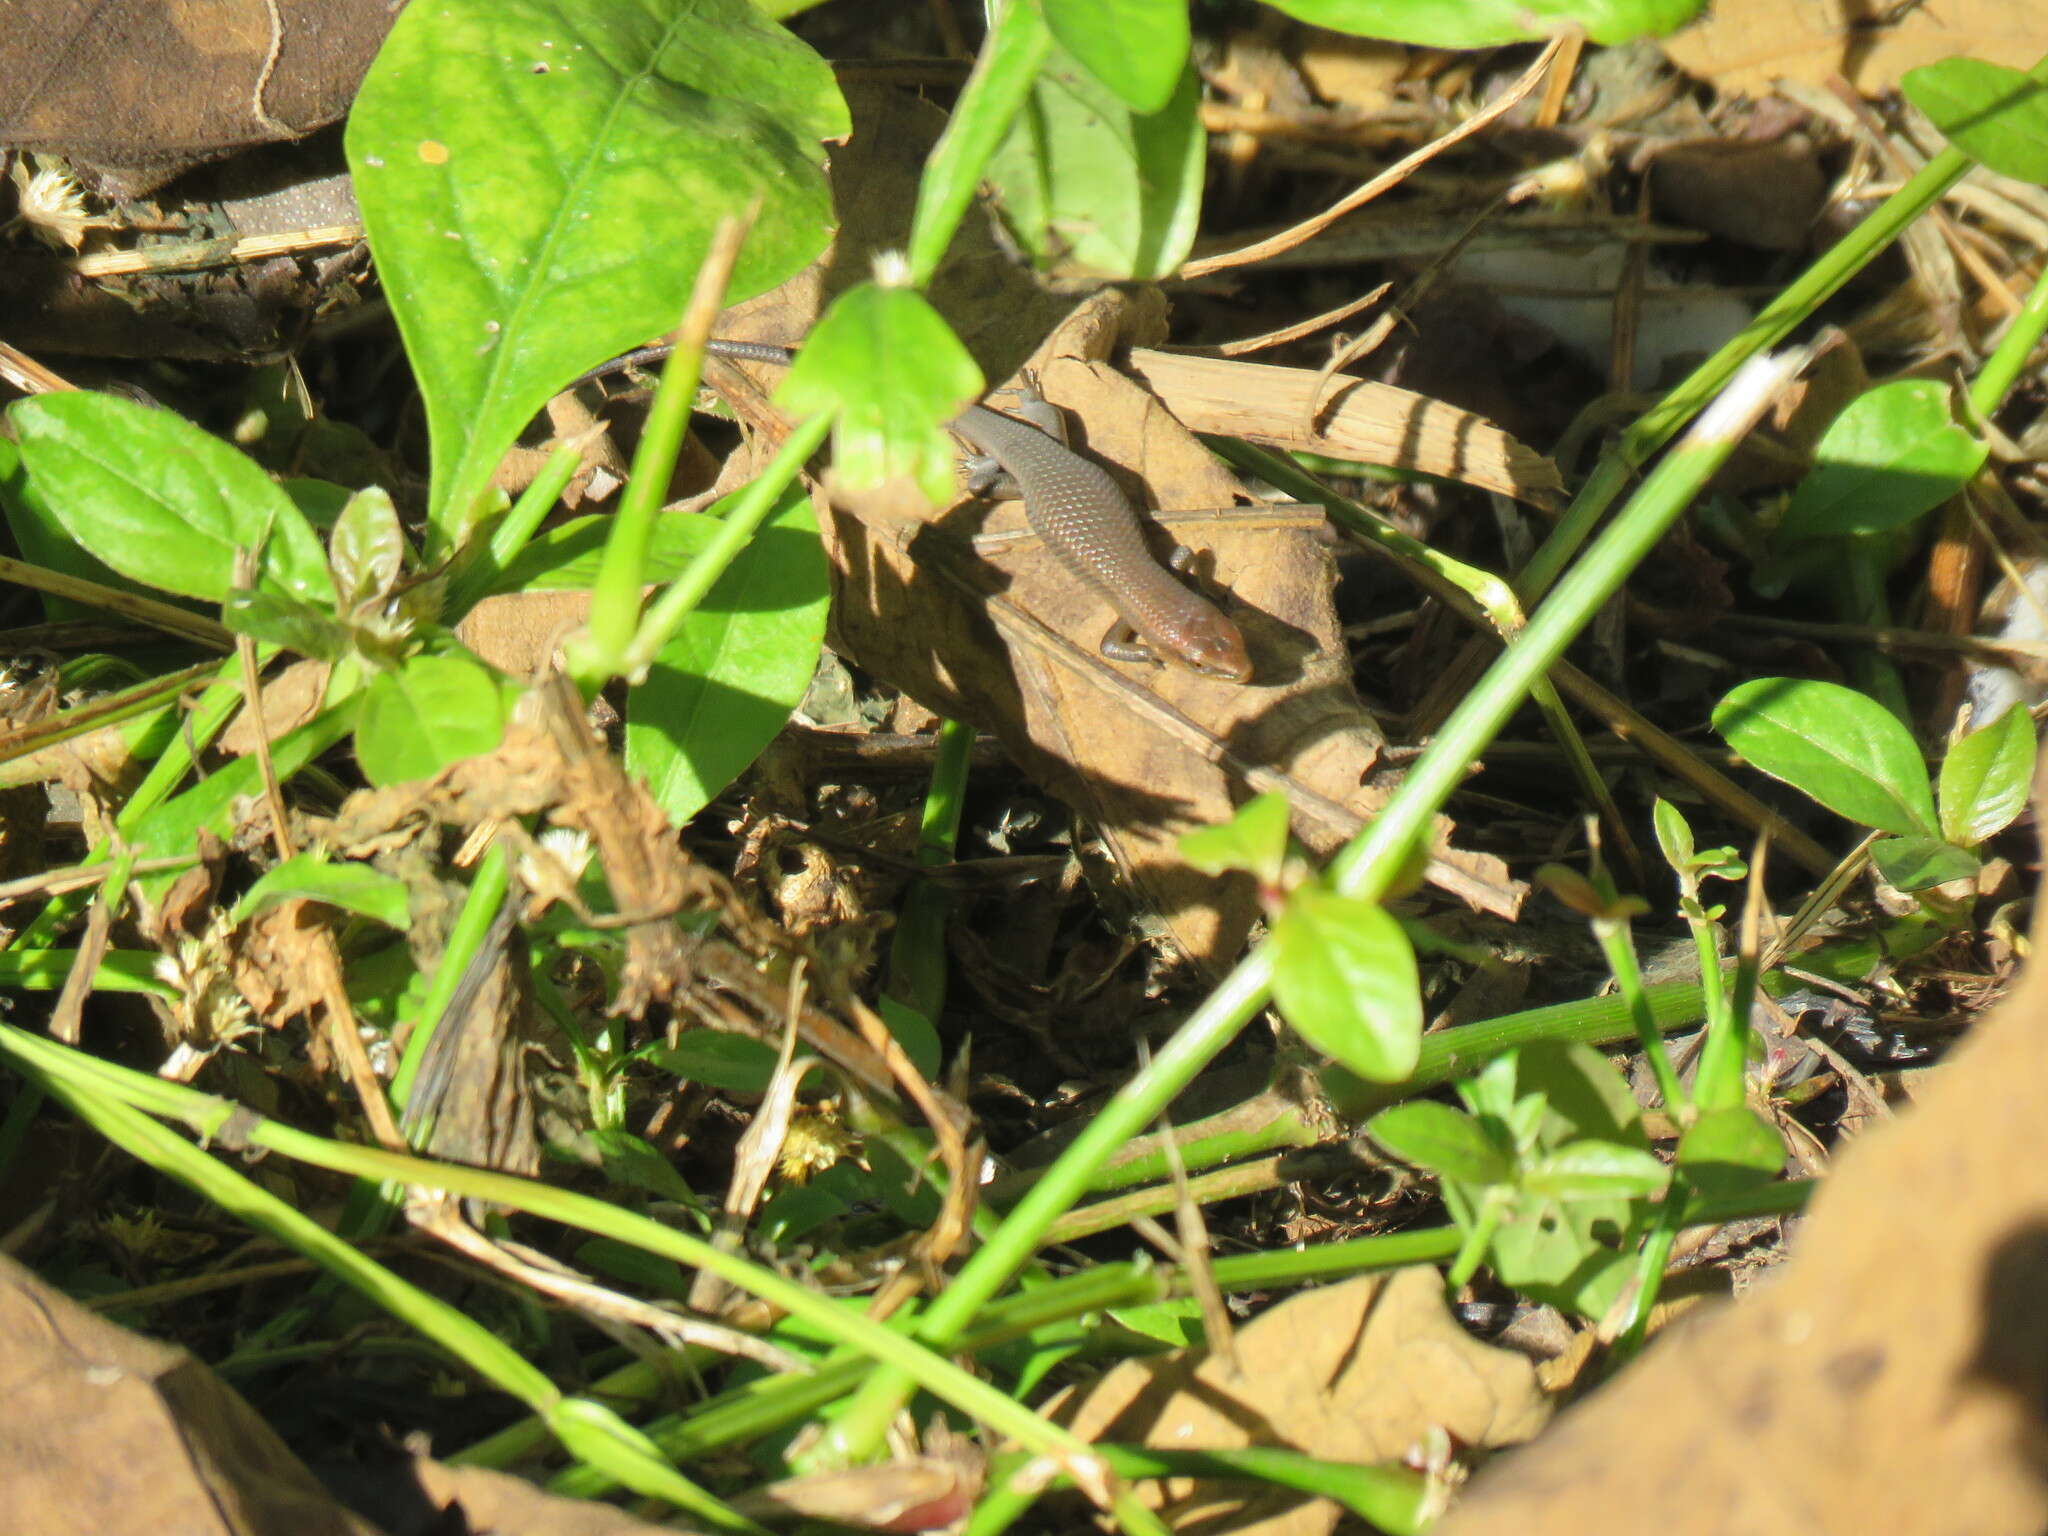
[{"x": 1076, "y": 927}]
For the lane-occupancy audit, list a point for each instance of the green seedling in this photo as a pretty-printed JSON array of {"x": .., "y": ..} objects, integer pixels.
[{"x": 1854, "y": 757}]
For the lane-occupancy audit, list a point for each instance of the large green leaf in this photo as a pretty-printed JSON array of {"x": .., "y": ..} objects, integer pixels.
[
  {"x": 162, "y": 502},
  {"x": 567, "y": 557},
  {"x": 1586, "y": 1170},
  {"x": 1845, "y": 750},
  {"x": 1089, "y": 186},
  {"x": 427, "y": 713},
  {"x": 1729, "y": 1150},
  {"x": 1916, "y": 863},
  {"x": 540, "y": 182},
  {"x": 353, "y": 888},
  {"x": 1584, "y": 1093},
  {"x": 722, "y": 688},
  {"x": 1990, "y": 112},
  {"x": 1135, "y": 47},
  {"x": 1489, "y": 23}
]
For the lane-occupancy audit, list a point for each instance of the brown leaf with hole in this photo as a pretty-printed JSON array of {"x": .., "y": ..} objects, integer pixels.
[
  {"x": 1358, "y": 1372},
  {"x": 1903, "y": 1351}
]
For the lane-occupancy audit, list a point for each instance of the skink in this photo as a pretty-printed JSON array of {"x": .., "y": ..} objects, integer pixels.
[{"x": 1081, "y": 514}]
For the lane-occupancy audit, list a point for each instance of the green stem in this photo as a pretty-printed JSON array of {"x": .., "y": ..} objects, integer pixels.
[
  {"x": 750, "y": 508},
  {"x": 622, "y": 575},
  {"x": 1128, "y": 1114},
  {"x": 587, "y": 1428},
  {"x": 2002, "y": 369},
  {"x": 220, "y": 1120},
  {"x": 995, "y": 93},
  {"x": 1371, "y": 864},
  {"x": 1619, "y": 947}
]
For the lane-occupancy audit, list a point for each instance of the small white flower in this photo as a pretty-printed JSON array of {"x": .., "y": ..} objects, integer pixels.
[
  {"x": 52, "y": 205},
  {"x": 892, "y": 269}
]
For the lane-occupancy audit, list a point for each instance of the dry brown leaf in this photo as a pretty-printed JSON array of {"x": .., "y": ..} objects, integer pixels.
[
  {"x": 965, "y": 612},
  {"x": 107, "y": 1431},
  {"x": 1903, "y": 1351},
  {"x": 971, "y": 616},
  {"x": 1745, "y": 45},
  {"x": 274, "y": 967},
  {"x": 146, "y": 88},
  {"x": 933, "y": 1491},
  {"x": 503, "y": 1505},
  {"x": 1358, "y": 1372}
]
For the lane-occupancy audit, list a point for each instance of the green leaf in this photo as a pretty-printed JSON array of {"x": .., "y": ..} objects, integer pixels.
[
  {"x": 1989, "y": 112},
  {"x": 1590, "y": 1170},
  {"x": 1986, "y": 777},
  {"x": 1089, "y": 188},
  {"x": 367, "y": 550},
  {"x": 1254, "y": 840},
  {"x": 42, "y": 540},
  {"x": 743, "y": 659},
  {"x": 644, "y": 1271},
  {"x": 716, "y": 1058},
  {"x": 1177, "y": 1323},
  {"x": 1549, "y": 1254},
  {"x": 540, "y": 182},
  {"x": 353, "y": 888},
  {"x": 430, "y": 712},
  {"x": 1491, "y": 1092},
  {"x": 1446, "y": 1141},
  {"x": 1845, "y": 750},
  {"x": 309, "y": 629},
  {"x": 1894, "y": 452},
  {"x": 319, "y": 501},
  {"x": 1489, "y": 23},
  {"x": 891, "y": 369},
  {"x": 1018, "y": 43},
  {"x": 1345, "y": 978},
  {"x": 797, "y": 1209},
  {"x": 1674, "y": 833},
  {"x": 566, "y": 557},
  {"x": 1587, "y": 1097},
  {"x": 915, "y": 1033},
  {"x": 162, "y": 502},
  {"x": 1915, "y": 863},
  {"x": 1729, "y": 1150},
  {"x": 632, "y": 1163},
  {"x": 1137, "y": 48}
]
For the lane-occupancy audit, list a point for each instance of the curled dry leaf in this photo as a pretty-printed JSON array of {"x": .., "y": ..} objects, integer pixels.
[
  {"x": 964, "y": 611},
  {"x": 1359, "y": 1372},
  {"x": 969, "y": 614}
]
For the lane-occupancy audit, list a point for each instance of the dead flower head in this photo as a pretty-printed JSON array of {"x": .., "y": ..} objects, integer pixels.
[
  {"x": 209, "y": 1010},
  {"x": 815, "y": 1141}
]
